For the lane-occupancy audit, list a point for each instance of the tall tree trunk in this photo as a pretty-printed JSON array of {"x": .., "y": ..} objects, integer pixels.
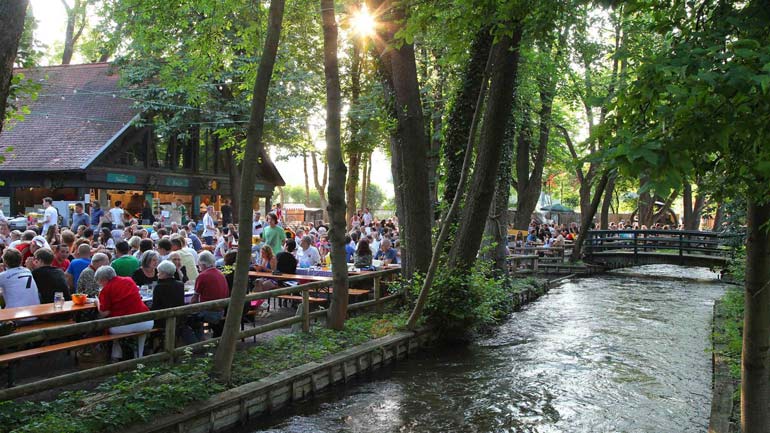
[
  {"x": 692, "y": 210},
  {"x": 461, "y": 115},
  {"x": 529, "y": 184},
  {"x": 479, "y": 198},
  {"x": 223, "y": 358},
  {"x": 76, "y": 23},
  {"x": 755, "y": 359},
  {"x": 497, "y": 221},
  {"x": 339, "y": 305},
  {"x": 234, "y": 173},
  {"x": 719, "y": 217},
  {"x": 365, "y": 173},
  {"x": 353, "y": 149},
  {"x": 434, "y": 151},
  {"x": 354, "y": 165},
  {"x": 12, "y": 13},
  {"x": 307, "y": 179},
  {"x": 646, "y": 207},
  {"x": 454, "y": 207},
  {"x": 586, "y": 221},
  {"x": 319, "y": 186},
  {"x": 604, "y": 219},
  {"x": 409, "y": 151}
]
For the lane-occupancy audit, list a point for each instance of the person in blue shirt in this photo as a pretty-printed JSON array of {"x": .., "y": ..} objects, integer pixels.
[
  {"x": 387, "y": 254},
  {"x": 349, "y": 249},
  {"x": 78, "y": 265},
  {"x": 96, "y": 213}
]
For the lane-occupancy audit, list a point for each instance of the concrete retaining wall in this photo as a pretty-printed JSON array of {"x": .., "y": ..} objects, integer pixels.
[{"x": 237, "y": 406}]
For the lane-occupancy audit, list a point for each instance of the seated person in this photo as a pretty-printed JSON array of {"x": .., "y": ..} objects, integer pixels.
[
  {"x": 308, "y": 255},
  {"x": 147, "y": 274},
  {"x": 181, "y": 270},
  {"x": 285, "y": 261},
  {"x": 210, "y": 285},
  {"x": 17, "y": 285},
  {"x": 48, "y": 278},
  {"x": 363, "y": 256},
  {"x": 77, "y": 266},
  {"x": 169, "y": 292},
  {"x": 387, "y": 254},
  {"x": 86, "y": 281},
  {"x": 120, "y": 297},
  {"x": 125, "y": 264}
]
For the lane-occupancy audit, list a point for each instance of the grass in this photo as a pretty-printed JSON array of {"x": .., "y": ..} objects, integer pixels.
[{"x": 158, "y": 389}]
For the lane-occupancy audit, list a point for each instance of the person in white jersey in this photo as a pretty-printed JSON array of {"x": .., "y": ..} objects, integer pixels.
[{"x": 16, "y": 282}]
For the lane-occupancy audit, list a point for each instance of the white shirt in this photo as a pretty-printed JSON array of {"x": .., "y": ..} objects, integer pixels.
[
  {"x": 257, "y": 228},
  {"x": 116, "y": 215},
  {"x": 310, "y": 255},
  {"x": 51, "y": 217},
  {"x": 367, "y": 218},
  {"x": 208, "y": 221},
  {"x": 19, "y": 288}
]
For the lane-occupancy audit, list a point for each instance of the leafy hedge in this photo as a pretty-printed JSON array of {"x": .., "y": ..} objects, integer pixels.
[{"x": 154, "y": 390}]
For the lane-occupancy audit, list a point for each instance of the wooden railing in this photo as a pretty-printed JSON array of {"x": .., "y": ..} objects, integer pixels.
[
  {"x": 170, "y": 350},
  {"x": 679, "y": 242}
]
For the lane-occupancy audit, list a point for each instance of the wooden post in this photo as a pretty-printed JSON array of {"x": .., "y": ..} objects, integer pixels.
[
  {"x": 636, "y": 248},
  {"x": 305, "y": 310},
  {"x": 169, "y": 339},
  {"x": 378, "y": 308},
  {"x": 681, "y": 248}
]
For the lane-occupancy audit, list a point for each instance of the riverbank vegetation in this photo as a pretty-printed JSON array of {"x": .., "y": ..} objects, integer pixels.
[{"x": 158, "y": 389}]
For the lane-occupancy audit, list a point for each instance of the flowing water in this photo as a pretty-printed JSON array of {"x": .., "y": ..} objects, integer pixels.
[{"x": 620, "y": 353}]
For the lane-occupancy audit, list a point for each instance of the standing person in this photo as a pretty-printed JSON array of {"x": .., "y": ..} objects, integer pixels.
[
  {"x": 227, "y": 213},
  {"x": 120, "y": 297},
  {"x": 272, "y": 234},
  {"x": 80, "y": 218},
  {"x": 367, "y": 217},
  {"x": 258, "y": 226},
  {"x": 50, "y": 216},
  {"x": 182, "y": 210},
  {"x": 147, "y": 214},
  {"x": 116, "y": 215},
  {"x": 209, "y": 228},
  {"x": 96, "y": 214},
  {"x": 279, "y": 213},
  {"x": 16, "y": 283}
]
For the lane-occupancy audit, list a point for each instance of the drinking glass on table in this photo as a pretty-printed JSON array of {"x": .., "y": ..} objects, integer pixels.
[{"x": 58, "y": 300}]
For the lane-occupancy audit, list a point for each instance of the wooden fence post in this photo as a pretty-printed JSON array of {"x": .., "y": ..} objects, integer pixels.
[
  {"x": 169, "y": 338},
  {"x": 305, "y": 310},
  {"x": 378, "y": 306}
]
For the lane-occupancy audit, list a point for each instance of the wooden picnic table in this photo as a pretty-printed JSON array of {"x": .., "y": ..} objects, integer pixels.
[
  {"x": 287, "y": 277},
  {"x": 42, "y": 310}
]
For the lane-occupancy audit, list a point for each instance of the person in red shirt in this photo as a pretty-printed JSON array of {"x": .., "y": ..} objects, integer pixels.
[
  {"x": 60, "y": 260},
  {"x": 120, "y": 297},
  {"x": 209, "y": 286}
]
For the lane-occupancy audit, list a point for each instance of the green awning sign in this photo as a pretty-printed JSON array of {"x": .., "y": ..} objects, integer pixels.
[
  {"x": 121, "y": 178},
  {"x": 177, "y": 181}
]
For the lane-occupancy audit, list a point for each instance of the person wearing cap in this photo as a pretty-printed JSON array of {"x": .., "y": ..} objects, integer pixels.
[
  {"x": 49, "y": 279},
  {"x": 50, "y": 216},
  {"x": 35, "y": 244}
]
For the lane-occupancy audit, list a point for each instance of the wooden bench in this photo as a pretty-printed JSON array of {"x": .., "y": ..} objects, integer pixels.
[
  {"x": 41, "y": 325},
  {"x": 299, "y": 298},
  {"x": 13, "y": 357}
]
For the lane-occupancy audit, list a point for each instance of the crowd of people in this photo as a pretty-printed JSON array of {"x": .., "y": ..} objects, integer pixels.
[{"x": 109, "y": 256}]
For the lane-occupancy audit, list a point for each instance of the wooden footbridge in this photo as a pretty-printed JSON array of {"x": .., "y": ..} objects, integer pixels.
[{"x": 614, "y": 249}]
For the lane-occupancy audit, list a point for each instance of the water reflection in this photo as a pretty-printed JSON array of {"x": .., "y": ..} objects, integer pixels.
[{"x": 610, "y": 354}]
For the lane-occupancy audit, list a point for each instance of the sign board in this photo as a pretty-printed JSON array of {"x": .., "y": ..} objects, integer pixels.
[
  {"x": 263, "y": 187},
  {"x": 178, "y": 181},
  {"x": 121, "y": 178}
]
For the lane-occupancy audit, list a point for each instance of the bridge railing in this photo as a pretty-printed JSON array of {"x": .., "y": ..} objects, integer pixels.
[{"x": 681, "y": 242}]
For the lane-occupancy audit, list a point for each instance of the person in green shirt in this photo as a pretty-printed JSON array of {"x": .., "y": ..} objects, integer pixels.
[
  {"x": 125, "y": 264},
  {"x": 273, "y": 235}
]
